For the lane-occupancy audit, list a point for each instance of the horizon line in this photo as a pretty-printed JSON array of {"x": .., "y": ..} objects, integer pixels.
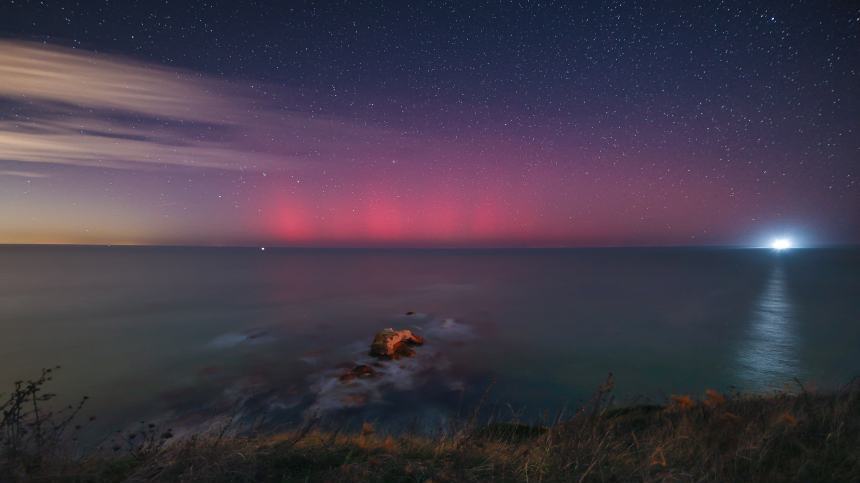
[{"x": 416, "y": 247}]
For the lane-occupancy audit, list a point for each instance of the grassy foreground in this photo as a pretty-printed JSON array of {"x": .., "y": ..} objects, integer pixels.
[{"x": 803, "y": 436}]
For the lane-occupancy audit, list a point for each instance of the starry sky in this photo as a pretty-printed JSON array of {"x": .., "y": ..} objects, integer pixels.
[{"x": 435, "y": 124}]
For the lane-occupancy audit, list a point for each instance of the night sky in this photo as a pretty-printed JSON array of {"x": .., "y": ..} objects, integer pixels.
[{"x": 437, "y": 124}]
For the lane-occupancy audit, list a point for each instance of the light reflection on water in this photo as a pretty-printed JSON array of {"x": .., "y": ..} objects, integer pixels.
[{"x": 768, "y": 357}]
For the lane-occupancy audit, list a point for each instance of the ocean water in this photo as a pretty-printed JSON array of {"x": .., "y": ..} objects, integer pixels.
[{"x": 184, "y": 336}]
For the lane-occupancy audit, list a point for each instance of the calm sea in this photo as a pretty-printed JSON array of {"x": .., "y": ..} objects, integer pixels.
[{"x": 185, "y": 335}]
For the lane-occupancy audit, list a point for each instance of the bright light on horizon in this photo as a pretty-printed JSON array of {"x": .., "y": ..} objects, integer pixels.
[{"x": 781, "y": 244}]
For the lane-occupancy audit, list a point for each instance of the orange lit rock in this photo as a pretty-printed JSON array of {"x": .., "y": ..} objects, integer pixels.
[{"x": 394, "y": 344}]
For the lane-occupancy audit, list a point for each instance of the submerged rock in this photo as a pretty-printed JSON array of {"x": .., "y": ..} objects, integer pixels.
[
  {"x": 359, "y": 371},
  {"x": 394, "y": 344}
]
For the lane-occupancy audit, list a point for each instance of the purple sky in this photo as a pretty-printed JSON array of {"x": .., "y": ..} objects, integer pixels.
[{"x": 379, "y": 126}]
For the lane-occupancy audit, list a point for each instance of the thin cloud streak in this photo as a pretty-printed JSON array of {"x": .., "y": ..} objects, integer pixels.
[
  {"x": 23, "y": 174},
  {"x": 83, "y": 143}
]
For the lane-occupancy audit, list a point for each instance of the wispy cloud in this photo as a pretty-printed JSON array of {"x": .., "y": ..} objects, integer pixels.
[
  {"x": 22, "y": 174},
  {"x": 73, "y": 107},
  {"x": 36, "y": 72}
]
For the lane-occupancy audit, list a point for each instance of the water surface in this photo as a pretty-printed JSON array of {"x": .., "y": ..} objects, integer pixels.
[{"x": 184, "y": 334}]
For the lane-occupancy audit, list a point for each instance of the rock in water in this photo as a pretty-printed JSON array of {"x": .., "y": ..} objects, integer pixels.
[
  {"x": 394, "y": 344},
  {"x": 359, "y": 371}
]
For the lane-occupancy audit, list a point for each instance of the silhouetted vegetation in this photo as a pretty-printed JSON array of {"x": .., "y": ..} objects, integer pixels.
[
  {"x": 790, "y": 436},
  {"x": 32, "y": 429}
]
